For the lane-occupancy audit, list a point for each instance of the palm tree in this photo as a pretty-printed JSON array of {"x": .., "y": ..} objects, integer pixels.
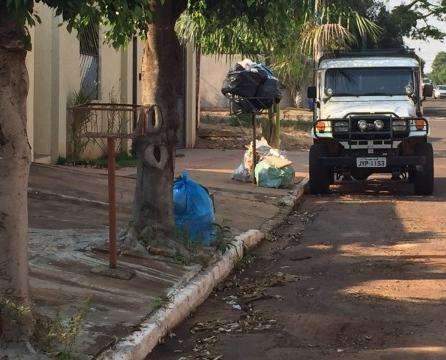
[{"x": 328, "y": 27}]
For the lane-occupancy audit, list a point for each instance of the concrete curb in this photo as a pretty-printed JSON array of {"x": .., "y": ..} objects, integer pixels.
[
  {"x": 183, "y": 301},
  {"x": 73, "y": 199}
]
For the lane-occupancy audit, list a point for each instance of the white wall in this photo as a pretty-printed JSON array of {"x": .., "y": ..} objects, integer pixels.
[
  {"x": 191, "y": 96},
  {"x": 42, "y": 58},
  {"x": 30, "y": 98},
  {"x": 54, "y": 68},
  {"x": 213, "y": 71},
  {"x": 110, "y": 71},
  {"x": 68, "y": 81}
]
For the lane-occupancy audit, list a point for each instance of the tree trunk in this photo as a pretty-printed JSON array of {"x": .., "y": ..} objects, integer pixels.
[
  {"x": 162, "y": 84},
  {"x": 14, "y": 171}
]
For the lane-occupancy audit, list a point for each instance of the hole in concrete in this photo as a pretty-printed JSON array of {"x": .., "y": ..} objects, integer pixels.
[
  {"x": 157, "y": 153},
  {"x": 153, "y": 118}
]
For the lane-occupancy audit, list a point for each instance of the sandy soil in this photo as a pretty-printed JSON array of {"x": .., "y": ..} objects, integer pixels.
[{"x": 220, "y": 136}]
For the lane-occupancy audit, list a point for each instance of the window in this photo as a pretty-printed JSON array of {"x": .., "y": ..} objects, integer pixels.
[
  {"x": 89, "y": 58},
  {"x": 369, "y": 81}
]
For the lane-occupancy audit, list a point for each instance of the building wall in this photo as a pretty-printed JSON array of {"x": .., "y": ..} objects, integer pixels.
[
  {"x": 213, "y": 70},
  {"x": 110, "y": 76},
  {"x": 191, "y": 97},
  {"x": 66, "y": 82},
  {"x": 212, "y": 74},
  {"x": 42, "y": 56},
  {"x": 54, "y": 67},
  {"x": 55, "y": 75}
]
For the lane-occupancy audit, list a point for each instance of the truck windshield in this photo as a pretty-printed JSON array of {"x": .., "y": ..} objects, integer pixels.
[{"x": 369, "y": 81}]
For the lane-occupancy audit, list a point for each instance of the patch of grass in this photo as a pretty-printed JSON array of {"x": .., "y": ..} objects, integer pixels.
[
  {"x": 126, "y": 160},
  {"x": 160, "y": 302},
  {"x": 244, "y": 262},
  {"x": 59, "y": 335},
  {"x": 244, "y": 120},
  {"x": 181, "y": 259},
  {"x": 223, "y": 238},
  {"x": 122, "y": 160},
  {"x": 300, "y": 125}
]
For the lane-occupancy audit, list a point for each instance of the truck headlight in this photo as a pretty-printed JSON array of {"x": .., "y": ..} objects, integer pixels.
[
  {"x": 341, "y": 126},
  {"x": 362, "y": 125},
  {"x": 379, "y": 124},
  {"x": 399, "y": 125}
]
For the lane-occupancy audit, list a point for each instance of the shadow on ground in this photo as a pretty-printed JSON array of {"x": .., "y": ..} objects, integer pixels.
[{"x": 371, "y": 274}]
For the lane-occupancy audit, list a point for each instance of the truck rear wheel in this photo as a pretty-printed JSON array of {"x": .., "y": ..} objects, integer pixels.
[
  {"x": 320, "y": 176},
  {"x": 424, "y": 179}
]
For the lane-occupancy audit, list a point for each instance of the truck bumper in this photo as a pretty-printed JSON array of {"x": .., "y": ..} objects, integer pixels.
[{"x": 392, "y": 161}]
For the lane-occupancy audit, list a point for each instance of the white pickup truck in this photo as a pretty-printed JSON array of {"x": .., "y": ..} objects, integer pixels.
[{"x": 368, "y": 118}]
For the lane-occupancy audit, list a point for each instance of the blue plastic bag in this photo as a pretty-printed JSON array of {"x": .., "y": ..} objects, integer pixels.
[{"x": 193, "y": 209}]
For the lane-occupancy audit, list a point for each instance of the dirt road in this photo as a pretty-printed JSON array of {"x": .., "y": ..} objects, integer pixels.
[{"x": 359, "y": 274}]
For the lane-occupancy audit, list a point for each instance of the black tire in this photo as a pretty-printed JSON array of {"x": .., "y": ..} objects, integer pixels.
[
  {"x": 320, "y": 176},
  {"x": 412, "y": 172},
  {"x": 424, "y": 178},
  {"x": 332, "y": 177}
]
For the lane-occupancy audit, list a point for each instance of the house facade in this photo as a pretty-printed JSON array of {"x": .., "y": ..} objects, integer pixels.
[{"x": 63, "y": 64}]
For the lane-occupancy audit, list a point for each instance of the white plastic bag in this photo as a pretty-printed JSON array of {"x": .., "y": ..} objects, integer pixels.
[{"x": 241, "y": 174}]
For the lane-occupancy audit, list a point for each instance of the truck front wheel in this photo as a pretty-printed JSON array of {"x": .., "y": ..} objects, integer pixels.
[
  {"x": 320, "y": 176},
  {"x": 424, "y": 178}
]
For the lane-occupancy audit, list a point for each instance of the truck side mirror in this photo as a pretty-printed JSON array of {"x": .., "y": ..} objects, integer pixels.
[
  {"x": 428, "y": 90},
  {"x": 311, "y": 92}
]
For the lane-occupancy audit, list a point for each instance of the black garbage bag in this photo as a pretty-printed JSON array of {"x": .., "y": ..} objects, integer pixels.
[
  {"x": 252, "y": 88},
  {"x": 269, "y": 92},
  {"x": 242, "y": 83}
]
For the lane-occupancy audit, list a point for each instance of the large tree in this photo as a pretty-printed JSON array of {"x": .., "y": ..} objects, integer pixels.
[
  {"x": 438, "y": 74},
  {"x": 162, "y": 77},
  {"x": 408, "y": 19},
  {"x": 122, "y": 19}
]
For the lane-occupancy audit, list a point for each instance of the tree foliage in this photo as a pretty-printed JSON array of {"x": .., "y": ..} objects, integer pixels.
[
  {"x": 121, "y": 18},
  {"x": 285, "y": 33},
  {"x": 438, "y": 74},
  {"x": 411, "y": 19}
]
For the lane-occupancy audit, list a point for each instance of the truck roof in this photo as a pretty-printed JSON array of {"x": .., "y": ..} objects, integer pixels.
[
  {"x": 368, "y": 62},
  {"x": 370, "y": 58}
]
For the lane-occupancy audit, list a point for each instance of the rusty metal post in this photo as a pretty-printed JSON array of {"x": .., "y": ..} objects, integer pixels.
[
  {"x": 254, "y": 148},
  {"x": 113, "y": 256}
]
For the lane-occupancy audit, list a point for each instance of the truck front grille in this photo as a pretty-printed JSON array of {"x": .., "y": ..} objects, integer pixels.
[{"x": 370, "y": 132}]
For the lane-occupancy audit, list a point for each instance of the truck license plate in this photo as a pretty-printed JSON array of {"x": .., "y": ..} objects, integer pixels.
[{"x": 371, "y": 162}]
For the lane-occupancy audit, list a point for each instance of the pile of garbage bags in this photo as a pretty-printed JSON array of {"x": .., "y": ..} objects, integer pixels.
[
  {"x": 273, "y": 169},
  {"x": 193, "y": 210},
  {"x": 251, "y": 86}
]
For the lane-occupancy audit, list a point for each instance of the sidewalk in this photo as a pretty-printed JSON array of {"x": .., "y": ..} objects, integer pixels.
[{"x": 68, "y": 218}]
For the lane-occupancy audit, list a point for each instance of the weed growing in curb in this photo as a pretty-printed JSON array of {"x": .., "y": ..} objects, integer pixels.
[
  {"x": 160, "y": 302},
  {"x": 59, "y": 335}
]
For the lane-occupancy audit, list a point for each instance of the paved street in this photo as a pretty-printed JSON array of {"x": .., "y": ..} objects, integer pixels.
[{"x": 358, "y": 274}]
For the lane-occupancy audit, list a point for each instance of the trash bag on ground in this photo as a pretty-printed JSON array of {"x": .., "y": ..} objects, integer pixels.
[
  {"x": 194, "y": 210},
  {"x": 271, "y": 176},
  {"x": 262, "y": 149},
  {"x": 241, "y": 174},
  {"x": 275, "y": 169}
]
